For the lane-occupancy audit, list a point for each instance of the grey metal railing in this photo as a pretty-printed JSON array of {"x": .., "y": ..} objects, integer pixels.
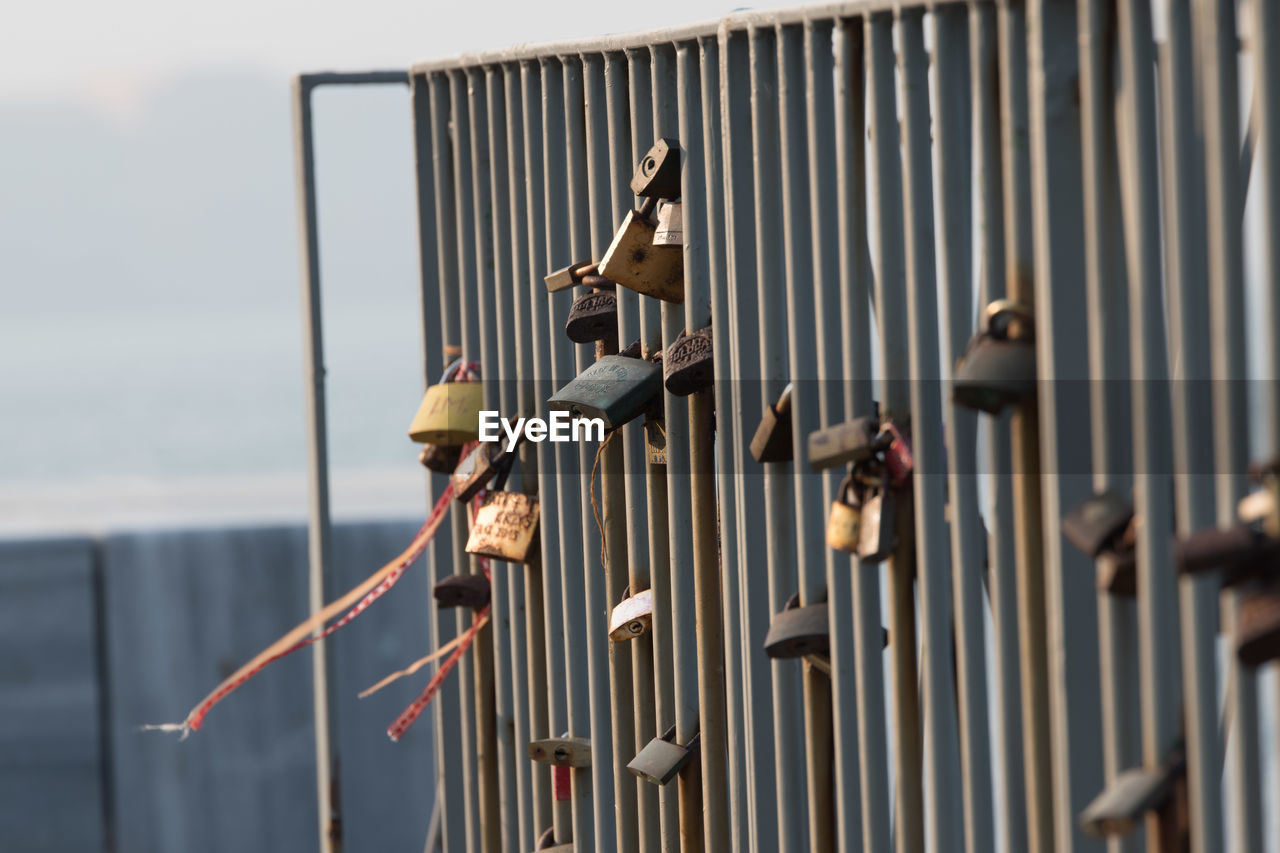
[{"x": 858, "y": 182}]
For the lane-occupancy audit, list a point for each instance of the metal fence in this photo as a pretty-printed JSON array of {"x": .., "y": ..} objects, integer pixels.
[{"x": 857, "y": 183}]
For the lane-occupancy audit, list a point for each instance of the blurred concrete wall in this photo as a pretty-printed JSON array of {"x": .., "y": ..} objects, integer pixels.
[{"x": 100, "y": 636}]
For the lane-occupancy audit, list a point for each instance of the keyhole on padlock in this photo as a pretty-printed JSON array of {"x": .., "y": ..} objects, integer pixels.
[
  {"x": 562, "y": 754},
  {"x": 649, "y": 165}
]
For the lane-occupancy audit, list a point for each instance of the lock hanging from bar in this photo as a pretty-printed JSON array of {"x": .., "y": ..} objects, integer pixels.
[
  {"x": 593, "y": 317},
  {"x": 844, "y": 523},
  {"x": 614, "y": 388},
  {"x": 462, "y": 591},
  {"x": 506, "y": 528},
  {"x": 449, "y": 414},
  {"x": 670, "y": 230},
  {"x": 440, "y": 458},
  {"x": 636, "y": 259},
  {"x": 662, "y": 758},
  {"x": 1103, "y": 528},
  {"x": 658, "y": 173},
  {"x": 689, "y": 363},
  {"x": 632, "y": 618},
  {"x": 772, "y": 441},
  {"x": 486, "y": 462},
  {"x": 854, "y": 441},
  {"x": 561, "y": 751},
  {"x": 877, "y": 533},
  {"x": 1258, "y": 623},
  {"x": 798, "y": 631},
  {"x": 1128, "y": 797},
  {"x": 998, "y": 368}
]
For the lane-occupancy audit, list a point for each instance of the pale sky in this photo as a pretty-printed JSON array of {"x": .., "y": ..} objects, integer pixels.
[{"x": 115, "y": 51}]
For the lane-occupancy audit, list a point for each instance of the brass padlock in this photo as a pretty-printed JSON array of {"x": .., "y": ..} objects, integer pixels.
[
  {"x": 877, "y": 534},
  {"x": 854, "y": 441},
  {"x": 798, "y": 631},
  {"x": 486, "y": 461},
  {"x": 593, "y": 317},
  {"x": 439, "y": 458},
  {"x": 1258, "y": 624},
  {"x": 689, "y": 363},
  {"x": 462, "y": 591},
  {"x": 845, "y": 520},
  {"x": 998, "y": 368},
  {"x": 635, "y": 263},
  {"x": 449, "y": 414},
  {"x": 772, "y": 441},
  {"x": 670, "y": 231},
  {"x": 662, "y": 758},
  {"x": 655, "y": 440},
  {"x": 614, "y": 388},
  {"x": 561, "y": 751},
  {"x": 658, "y": 173},
  {"x": 1123, "y": 804},
  {"x": 506, "y": 528},
  {"x": 632, "y": 618}
]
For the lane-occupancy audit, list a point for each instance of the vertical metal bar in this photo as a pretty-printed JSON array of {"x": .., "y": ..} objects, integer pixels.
[
  {"x": 1106, "y": 296},
  {"x": 699, "y": 171},
  {"x": 1194, "y": 501},
  {"x": 617, "y": 676},
  {"x": 1266, "y": 114},
  {"x": 319, "y": 539},
  {"x": 1024, "y": 437},
  {"x": 1063, "y": 410},
  {"x": 805, "y": 417},
  {"x": 753, "y": 602},
  {"x": 435, "y": 198},
  {"x": 1157, "y": 602},
  {"x": 589, "y": 812},
  {"x": 791, "y": 784},
  {"x": 1215, "y": 22},
  {"x": 933, "y": 558},
  {"x": 854, "y": 286},
  {"x": 819, "y": 77},
  {"x": 891, "y": 315},
  {"x": 954, "y": 166},
  {"x": 992, "y": 35},
  {"x": 679, "y": 507}
]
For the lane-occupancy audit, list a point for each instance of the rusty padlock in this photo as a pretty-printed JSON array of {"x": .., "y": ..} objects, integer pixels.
[
  {"x": 877, "y": 534},
  {"x": 845, "y": 519},
  {"x": 1103, "y": 528},
  {"x": 634, "y": 262},
  {"x": 439, "y": 458},
  {"x": 772, "y": 441},
  {"x": 998, "y": 368},
  {"x": 614, "y": 388},
  {"x": 506, "y": 528},
  {"x": 657, "y": 174},
  {"x": 798, "y": 631},
  {"x": 592, "y": 317},
  {"x": 689, "y": 363},
  {"x": 462, "y": 591},
  {"x": 486, "y": 462}
]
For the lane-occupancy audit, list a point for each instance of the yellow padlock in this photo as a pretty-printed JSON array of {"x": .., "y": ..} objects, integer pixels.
[
  {"x": 844, "y": 524},
  {"x": 450, "y": 412}
]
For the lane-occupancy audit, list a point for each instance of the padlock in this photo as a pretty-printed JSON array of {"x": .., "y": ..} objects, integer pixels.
[
  {"x": 1131, "y": 794},
  {"x": 844, "y": 523},
  {"x": 1093, "y": 525},
  {"x": 633, "y": 617},
  {"x": 658, "y": 173},
  {"x": 854, "y": 441},
  {"x": 547, "y": 842},
  {"x": 486, "y": 461},
  {"x": 772, "y": 441},
  {"x": 592, "y": 317},
  {"x": 561, "y": 751},
  {"x": 899, "y": 461},
  {"x": 439, "y": 458},
  {"x": 689, "y": 363},
  {"x": 566, "y": 277},
  {"x": 462, "y": 591},
  {"x": 670, "y": 231},
  {"x": 998, "y": 368},
  {"x": 798, "y": 631},
  {"x": 634, "y": 262},
  {"x": 449, "y": 414},
  {"x": 1239, "y": 552},
  {"x": 614, "y": 388},
  {"x": 877, "y": 535},
  {"x": 1258, "y": 624},
  {"x": 655, "y": 440},
  {"x": 506, "y": 528},
  {"x": 662, "y": 758}
]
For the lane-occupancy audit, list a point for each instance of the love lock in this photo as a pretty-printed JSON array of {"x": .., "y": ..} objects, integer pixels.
[
  {"x": 877, "y": 533},
  {"x": 561, "y": 751},
  {"x": 632, "y": 618},
  {"x": 844, "y": 523},
  {"x": 486, "y": 461},
  {"x": 1130, "y": 795},
  {"x": 614, "y": 388},
  {"x": 854, "y": 441},
  {"x": 449, "y": 414},
  {"x": 547, "y": 842},
  {"x": 506, "y": 528},
  {"x": 662, "y": 759},
  {"x": 439, "y": 458},
  {"x": 772, "y": 441},
  {"x": 798, "y": 631},
  {"x": 592, "y": 317},
  {"x": 1240, "y": 552},
  {"x": 998, "y": 368},
  {"x": 657, "y": 174},
  {"x": 689, "y": 363},
  {"x": 462, "y": 591},
  {"x": 1103, "y": 528}
]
